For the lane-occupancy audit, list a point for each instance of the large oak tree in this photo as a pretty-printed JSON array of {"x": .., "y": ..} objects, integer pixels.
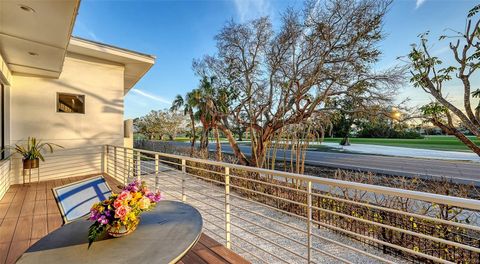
[{"x": 283, "y": 77}]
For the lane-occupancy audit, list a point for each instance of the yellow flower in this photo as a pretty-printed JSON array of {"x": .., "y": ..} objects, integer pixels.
[{"x": 144, "y": 203}]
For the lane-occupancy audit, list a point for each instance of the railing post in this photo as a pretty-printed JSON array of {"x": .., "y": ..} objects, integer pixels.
[
  {"x": 103, "y": 158},
  {"x": 184, "y": 172},
  {"x": 106, "y": 158},
  {"x": 139, "y": 165},
  {"x": 309, "y": 221},
  {"x": 115, "y": 162},
  {"x": 227, "y": 207},
  {"x": 125, "y": 168},
  {"x": 129, "y": 164},
  {"x": 156, "y": 172}
]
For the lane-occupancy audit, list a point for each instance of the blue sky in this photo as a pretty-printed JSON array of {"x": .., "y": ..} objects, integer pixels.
[{"x": 177, "y": 31}]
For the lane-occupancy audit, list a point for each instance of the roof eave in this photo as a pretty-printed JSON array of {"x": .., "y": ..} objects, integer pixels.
[{"x": 137, "y": 62}]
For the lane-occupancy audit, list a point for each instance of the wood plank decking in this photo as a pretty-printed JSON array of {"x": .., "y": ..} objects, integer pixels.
[{"x": 29, "y": 212}]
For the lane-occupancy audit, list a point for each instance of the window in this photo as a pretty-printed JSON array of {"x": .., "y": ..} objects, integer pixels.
[{"x": 70, "y": 103}]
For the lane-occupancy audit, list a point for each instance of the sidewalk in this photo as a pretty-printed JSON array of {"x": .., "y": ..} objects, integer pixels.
[{"x": 406, "y": 152}]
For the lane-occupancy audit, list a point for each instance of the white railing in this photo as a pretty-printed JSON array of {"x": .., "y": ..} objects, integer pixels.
[
  {"x": 4, "y": 177},
  {"x": 280, "y": 217},
  {"x": 62, "y": 163}
]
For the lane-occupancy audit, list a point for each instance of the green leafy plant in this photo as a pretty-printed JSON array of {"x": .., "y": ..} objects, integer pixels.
[{"x": 33, "y": 149}]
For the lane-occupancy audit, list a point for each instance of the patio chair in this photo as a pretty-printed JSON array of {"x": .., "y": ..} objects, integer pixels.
[{"x": 75, "y": 199}]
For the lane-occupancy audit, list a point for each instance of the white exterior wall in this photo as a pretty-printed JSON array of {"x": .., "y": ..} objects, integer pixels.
[{"x": 33, "y": 112}]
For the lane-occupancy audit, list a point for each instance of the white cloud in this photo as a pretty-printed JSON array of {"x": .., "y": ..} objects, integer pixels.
[
  {"x": 250, "y": 9},
  {"x": 419, "y": 3},
  {"x": 87, "y": 31},
  {"x": 151, "y": 96}
]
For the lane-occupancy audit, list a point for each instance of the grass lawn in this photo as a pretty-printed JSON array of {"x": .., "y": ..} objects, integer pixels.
[
  {"x": 187, "y": 139},
  {"x": 429, "y": 142},
  {"x": 182, "y": 139}
]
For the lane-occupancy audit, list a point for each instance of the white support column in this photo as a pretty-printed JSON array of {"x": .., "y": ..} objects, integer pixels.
[
  {"x": 227, "y": 208},
  {"x": 139, "y": 165},
  {"x": 184, "y": 175},
  {"x": 125, "y": 167},
  {"x": 115, "y": 175},
  {"x": 130, "y": 165},
  {"x": 156, "y": 172},
  {"x": 309, "y": 221},
  {"x": 106, "y": 158},
  {"x": 103, "y": 157}
]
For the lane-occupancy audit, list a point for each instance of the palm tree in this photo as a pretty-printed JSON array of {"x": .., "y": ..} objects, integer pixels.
[
  {"x": 208, "y": 104},
  {"x": 202, "y": 102},
  {"x": 188, "y": 105}
]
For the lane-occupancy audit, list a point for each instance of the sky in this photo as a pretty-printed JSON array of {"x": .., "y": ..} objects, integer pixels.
[{"x": 178, "y": 31}]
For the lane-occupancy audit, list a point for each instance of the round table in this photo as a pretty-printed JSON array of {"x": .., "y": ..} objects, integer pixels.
[{"x": 164, "y": 235}]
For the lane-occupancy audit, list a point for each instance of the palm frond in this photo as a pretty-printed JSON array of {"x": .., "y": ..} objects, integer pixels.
[{"x": 33, "y": 148}]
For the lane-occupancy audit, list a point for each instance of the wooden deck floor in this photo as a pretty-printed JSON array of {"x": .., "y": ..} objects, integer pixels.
[{"x": 28, "y": 213}]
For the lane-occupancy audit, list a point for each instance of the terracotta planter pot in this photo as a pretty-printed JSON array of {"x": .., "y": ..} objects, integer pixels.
[{"x": 30, "y": 164}]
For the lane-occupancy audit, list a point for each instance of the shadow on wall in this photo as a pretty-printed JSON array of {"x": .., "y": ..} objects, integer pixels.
[
  {"x": 83, "y": 147},
  {"x": 76, "y": 159},
  {"x": 61, "y": 164}
]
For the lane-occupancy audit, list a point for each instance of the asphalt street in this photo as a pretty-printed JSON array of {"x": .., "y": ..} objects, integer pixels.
[{"x": 461, "y": 171}]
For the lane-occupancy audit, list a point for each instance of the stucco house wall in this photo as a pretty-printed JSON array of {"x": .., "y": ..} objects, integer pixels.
[{"x": 33, "y": 112}]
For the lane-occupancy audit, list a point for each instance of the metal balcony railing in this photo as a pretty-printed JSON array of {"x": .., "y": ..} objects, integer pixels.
[{"x": 279, "y": 217}]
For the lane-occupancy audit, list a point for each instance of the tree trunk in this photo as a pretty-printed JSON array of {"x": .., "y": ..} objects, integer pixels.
[
  {"x": 346, "y": 139},
  {"x": 204, "y": 139},
  {"x": 261, "y": 153},
  {"x": 261, "y": 147},
  {"x": 236, "y": 150},
  {"x": 194, "y": 136},
  {"x": 192, "y": 120},
  {"x": 453, "y": 131},
  {"x": 240, "y": 136},
  {"x": 219, "y": 146}
]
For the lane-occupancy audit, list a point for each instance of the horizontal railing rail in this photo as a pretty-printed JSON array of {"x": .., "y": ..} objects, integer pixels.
[
  {"x": 275, "y": 216},
  {"x": 62, "y": 163}
]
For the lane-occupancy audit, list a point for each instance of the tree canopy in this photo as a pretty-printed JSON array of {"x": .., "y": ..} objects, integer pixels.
[
  {"x": 277, "y": 78},
  {"x": 431, "y": 74}
]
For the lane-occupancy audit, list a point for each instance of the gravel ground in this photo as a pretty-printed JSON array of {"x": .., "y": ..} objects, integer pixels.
[{"x": 258, "y": 232}]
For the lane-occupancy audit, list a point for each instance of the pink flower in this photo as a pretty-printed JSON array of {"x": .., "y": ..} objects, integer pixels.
[
  {"x": 125, "y": 195},
  {"x": 121, "y": 212},
  {"x": 117, "y": 203}
]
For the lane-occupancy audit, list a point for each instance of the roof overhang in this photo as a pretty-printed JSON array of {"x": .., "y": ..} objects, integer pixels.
[
  {"x": 136, "y": 64},
  {"x": 34, "y": 35}
]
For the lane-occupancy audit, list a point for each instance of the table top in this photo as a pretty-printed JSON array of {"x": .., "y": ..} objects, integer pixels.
[{"x": 164, "y": 235}]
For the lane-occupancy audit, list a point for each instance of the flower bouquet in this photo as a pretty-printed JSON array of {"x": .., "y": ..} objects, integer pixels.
[{"x": 119, "y": 215}]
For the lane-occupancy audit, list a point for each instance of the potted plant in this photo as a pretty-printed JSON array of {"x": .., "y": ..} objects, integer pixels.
[{"x": 33, "y": 151}]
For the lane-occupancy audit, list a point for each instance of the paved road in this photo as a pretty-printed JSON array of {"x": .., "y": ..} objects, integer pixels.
[{"x": 461, "y": 171}]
